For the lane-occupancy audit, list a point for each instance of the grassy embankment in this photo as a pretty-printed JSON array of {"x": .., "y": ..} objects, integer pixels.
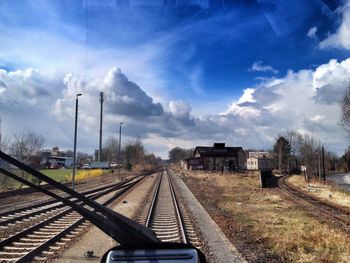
[
  {"x": 265, "y": 223},
  {"x": 59, "y": 175}
]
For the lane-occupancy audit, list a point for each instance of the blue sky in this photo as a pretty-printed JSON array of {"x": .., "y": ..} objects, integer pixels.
[{"x": 201, "y": 70}]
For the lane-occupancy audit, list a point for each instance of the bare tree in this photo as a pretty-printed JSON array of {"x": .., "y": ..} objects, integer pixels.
[
  {"x": 4, "y": 143},
  {"x": 151, "y": 159},
  {"x": 83, "y": 158},
  {"x": 295, "y": 140},
  {"x": 25, "y": 146},
  {"x": 345, "y": 109},
  {"x": 5, "y": 181},
  {"x": 177, "y": 154},
  {"x": 309, "y": 149},
  {"x": 134, "y": 152},
  {"x": 110, "y": 150}
]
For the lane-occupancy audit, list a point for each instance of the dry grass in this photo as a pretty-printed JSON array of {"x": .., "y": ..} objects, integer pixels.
[
  {"x": 320, "y": 190},
  {"x": 286, "y": 229}
]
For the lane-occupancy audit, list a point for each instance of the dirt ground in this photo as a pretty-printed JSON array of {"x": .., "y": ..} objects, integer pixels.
[{"x": 264, "y": 225}]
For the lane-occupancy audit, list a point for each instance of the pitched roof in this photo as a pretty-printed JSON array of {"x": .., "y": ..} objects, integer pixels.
[{"x": 207, "y": 150}]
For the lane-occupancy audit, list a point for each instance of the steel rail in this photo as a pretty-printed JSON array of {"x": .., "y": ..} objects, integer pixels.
[
  {"x": 152, "y": 213},
  {"x": 152, "y": 206},
  {"x": 119, "y": 227},
  {"x": 90, "y": 193},
  {"x": 44, "y": 203},
  {"x": 178, "y": 212},
  {"x": 30, "y": 255},
  {"x": 324, "y": 206}
]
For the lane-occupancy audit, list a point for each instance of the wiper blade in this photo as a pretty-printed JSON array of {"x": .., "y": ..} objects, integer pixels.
[{"x": 122, "y": 229}]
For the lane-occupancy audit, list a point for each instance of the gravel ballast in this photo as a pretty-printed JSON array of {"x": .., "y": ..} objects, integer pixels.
[{"x": 220, "y": 248}]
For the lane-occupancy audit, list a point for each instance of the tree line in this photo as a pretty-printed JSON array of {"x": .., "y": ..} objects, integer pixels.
[{"x": 26, "y": 146}]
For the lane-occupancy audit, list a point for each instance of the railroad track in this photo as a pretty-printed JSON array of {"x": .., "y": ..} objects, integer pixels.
[
  {"x": 14, "y": 217},
  {"x": 337, "y": 212},
  {"x": 44, "y": 239},
  {"x": 167, "y": 216}
]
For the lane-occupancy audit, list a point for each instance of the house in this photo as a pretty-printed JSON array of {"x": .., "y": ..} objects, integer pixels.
[
  {"x": 254, "y": 164},
  {"x": 220, "y": 157},
  {"x": 192, "y": 164}
]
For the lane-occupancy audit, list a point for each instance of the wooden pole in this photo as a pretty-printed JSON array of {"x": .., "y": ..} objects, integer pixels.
[{"x": 323, "y": 167}]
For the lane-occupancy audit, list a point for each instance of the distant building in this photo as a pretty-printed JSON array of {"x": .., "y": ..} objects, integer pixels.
[
  {"x": 192, "y": 164},
  {"x": 55, "y": 158},
  {"x": 254, "y": 164},
  {"x": 219, "y": 157},
  {"x": 259, "y": 155}
]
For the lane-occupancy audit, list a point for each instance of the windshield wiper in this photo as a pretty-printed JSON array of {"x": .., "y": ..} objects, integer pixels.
[{"x": 122, "y": 229}]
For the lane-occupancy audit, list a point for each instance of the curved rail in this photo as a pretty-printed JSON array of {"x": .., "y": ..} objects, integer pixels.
[{"x": 336, "y": 211}]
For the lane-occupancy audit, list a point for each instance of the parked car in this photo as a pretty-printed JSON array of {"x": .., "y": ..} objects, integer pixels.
[
  {"x": 55, "y": 166},
  {"x": 86, "y": 166}
]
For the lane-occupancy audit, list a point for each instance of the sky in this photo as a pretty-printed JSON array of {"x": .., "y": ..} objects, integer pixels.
[{"x": 175, "y": 72}]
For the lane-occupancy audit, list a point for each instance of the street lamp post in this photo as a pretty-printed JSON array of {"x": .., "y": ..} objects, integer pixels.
[
  {"x": 120, "y": 143},
  {"x": 75, "y": 140}
]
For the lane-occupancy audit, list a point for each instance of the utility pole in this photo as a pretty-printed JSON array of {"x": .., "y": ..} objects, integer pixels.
[
  {"x": 0, "y": 135},
  {"x": 100, "y": 144},
  {"x": 280, "y": 156},
  {"x": 75, "y": 140},
  {"x": 120, "y": 143},
  {"x": 323, "y": 167},
  {"x": 319, "y": 163}
]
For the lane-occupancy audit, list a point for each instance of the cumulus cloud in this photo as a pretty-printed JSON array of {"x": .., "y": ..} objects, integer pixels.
[
  {"x": 25, "y": 87},
  {"x": 180, "y": 108},
  {"x": 122, "y": 96},
  {"x": 330, "y": 80},
  {"x": 260, "y": 67},
  {"x": 341, "y": 38},
  {"x": 306, "y": 100}
]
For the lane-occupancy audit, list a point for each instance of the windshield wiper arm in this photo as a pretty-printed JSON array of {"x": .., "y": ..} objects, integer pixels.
[{"x": 120, "y": 228}]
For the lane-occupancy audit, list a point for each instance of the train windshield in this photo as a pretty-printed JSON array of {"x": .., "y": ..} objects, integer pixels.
[{"x": 159, "y": 130}]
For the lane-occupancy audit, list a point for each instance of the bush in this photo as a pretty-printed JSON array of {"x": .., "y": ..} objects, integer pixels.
[{"x": 83, "y": 175}]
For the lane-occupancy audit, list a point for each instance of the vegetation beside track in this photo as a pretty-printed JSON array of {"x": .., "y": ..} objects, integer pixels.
[
  {"x": 323, "y": 191},
  {"x": 63, "y": 176},
  {"x": 263, "y": 224}
]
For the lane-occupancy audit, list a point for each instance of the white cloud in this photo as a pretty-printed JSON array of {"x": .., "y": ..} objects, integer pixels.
[
  {"x": 180, "y": 108},
  {"x": 307, "y": 100},
  {"x": 122, "y": 97},
  {"x": 247, "y": 96},
  {"x": 23, "y": 88},
  {"x": 260, "y": 67},
  {"x": 312, "y": 32},
  {"x": 341, "y": 38},
  {"x": 317, "y": 118},
  {"x": 330, "y": 80}
]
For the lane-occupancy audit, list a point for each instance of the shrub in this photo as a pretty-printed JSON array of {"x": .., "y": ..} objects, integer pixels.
[{"x": 83, "y": 175}]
